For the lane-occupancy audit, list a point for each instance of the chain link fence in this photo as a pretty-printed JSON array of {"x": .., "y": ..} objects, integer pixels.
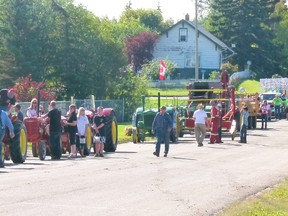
[{"x": 63, "y": 106}]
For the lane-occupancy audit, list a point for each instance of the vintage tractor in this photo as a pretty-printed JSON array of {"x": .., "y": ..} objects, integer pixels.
[
  {"x": 142, "y": 122},
  {"x": 252, "y": 102},
  {"x": 201, "y": 93},
  {"x": 15, "y": 148}
]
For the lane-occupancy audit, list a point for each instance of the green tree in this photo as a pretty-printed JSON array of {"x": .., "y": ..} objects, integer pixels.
[
  {"x": 248, "y": 25},
  {"x": 149, "y": 18},
  {"x": 129, "y": 87},
  {"x": 151, "y": 69}
]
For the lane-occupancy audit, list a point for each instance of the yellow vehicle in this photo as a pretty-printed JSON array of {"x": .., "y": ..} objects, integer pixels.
[{"x": 252, "y": 102}]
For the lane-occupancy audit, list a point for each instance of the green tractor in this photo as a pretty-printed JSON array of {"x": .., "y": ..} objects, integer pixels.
[{"x": 142, "y": 122}]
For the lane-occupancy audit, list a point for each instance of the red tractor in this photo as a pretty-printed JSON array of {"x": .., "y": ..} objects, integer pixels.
[{"x": 16, "y": 147}]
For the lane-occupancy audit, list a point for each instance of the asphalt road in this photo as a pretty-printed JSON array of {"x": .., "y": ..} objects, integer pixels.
[{"x": 132, "y": 182}]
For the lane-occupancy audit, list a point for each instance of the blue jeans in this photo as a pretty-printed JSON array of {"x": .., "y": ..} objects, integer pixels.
[
  {"x": 162, "y": 136},
  {"x": 55, "y": 146},
  {"x": 243, "y": 133},
  {"x": 264, "y": 118},
  {"x": 277, "y": 112}
]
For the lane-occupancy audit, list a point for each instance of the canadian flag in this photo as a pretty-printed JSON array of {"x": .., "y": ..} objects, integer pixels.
[{"x": 162, "y": 70}]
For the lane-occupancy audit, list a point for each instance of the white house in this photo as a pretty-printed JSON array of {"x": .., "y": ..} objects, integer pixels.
[{"x": 178, "y": 45}]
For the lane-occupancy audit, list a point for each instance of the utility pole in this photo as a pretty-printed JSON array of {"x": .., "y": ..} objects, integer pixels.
[{"x": 196, "y": 43}]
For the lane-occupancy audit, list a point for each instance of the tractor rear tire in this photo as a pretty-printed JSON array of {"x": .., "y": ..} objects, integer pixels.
[
  {"x": 42, "y": 150},
  {"x": 18, "y": 145},
  {"x": 135, "y": 137},
  {"x": 111, "y": 133},
  {"x": 254, "y": 122},
  {"x": 34, "y": 150},
  {"x": 2, "y": 153}
]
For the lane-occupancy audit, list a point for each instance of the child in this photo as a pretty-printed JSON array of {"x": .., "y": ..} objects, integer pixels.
[
  {"x": 99, "y": 127},
  {"x": 17, "y": 109},
  {"x": 243, "y": 130}
]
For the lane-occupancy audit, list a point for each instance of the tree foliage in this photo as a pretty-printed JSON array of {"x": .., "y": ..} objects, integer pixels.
[
  {"x": 26, "y": 89},
  {"x": 151, "y": 69},
  {"x": 248, "y": 25},
  {"x": 139, "y": 49}
]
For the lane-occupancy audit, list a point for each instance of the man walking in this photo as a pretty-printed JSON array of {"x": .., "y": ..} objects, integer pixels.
[
  {"x": 162, "y": 125},
  {"x": 200, "y": 118}
]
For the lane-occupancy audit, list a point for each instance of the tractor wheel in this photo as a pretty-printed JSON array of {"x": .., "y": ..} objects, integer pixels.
[
  {"x": 87, "y": 147},
  {"x": 34, "y": 150},
  {"x": 173, "y": 137},
  {"x": 3, "y": 153},
  {"x": 6, "y": 152},
  {"x": 111, "y": 133},
  {"x": 254, "y": 122},
  {"x": 135, "y": 137},
  {"x": 181, "y": 134},
  {"x": 42, "y": 150},
  {"x": 18, "y": 145}
]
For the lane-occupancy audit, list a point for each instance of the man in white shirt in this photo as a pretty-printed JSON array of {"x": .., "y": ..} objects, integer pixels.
[{"x": 200, "y": 118}]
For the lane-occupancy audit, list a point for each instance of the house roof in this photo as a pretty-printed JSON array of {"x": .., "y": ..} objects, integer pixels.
[{"x": 204, "y": 32}]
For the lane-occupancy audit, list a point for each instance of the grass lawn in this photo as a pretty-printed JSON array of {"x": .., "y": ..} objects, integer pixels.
[
  {"x": 168, "y": 91},
  {"x": 269, "y": 203},
  {"x": 251, "y": 86},
  {"x": 121, "y": 132}
]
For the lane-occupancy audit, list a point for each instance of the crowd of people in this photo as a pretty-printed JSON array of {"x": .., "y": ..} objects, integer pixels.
[
  {"x": 162, "y": 123},
  {"x": 76, "y": 123}
]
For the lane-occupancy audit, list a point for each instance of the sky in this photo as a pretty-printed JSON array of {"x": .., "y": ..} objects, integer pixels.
[{"x": 113, "y": 8}]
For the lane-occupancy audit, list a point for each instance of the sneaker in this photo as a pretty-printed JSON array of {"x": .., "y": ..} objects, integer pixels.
[
  {"x": 200, "y": 144},
  {"x": 72, "y": 156},
  {"x": 101, "y": 155},
  {"x": 165, "y": 155},
  {"x": 156, "y": 154},
  {"x": 96, "y": 155}
]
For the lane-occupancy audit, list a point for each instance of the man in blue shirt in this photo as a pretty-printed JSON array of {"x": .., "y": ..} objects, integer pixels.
[
  {"x": 4, "y": 121},
  {"x": 162, "y": 125}
]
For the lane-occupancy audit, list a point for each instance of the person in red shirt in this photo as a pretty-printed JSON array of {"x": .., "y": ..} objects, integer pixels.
[{"x": 215, "y": 123}]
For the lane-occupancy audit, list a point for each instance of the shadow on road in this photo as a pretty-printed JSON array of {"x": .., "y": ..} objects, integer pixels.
[{"x": 181, "y": 158}]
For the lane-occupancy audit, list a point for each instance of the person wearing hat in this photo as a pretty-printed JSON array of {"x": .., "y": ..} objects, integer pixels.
[
  {"x": 7, "y": 99},
  {"x": 200, "y": 117},
  {"x": 162, "y": 125},
  {"x": 17, "y": 109}
]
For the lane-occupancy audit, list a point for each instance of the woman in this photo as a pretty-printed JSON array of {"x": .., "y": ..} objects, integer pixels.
[
  {"x": 82, "y": 124},
  {"x": 72, "y": 130},
  {"x": 264, "y": 113},
  {"x": 32, "y": 109}
]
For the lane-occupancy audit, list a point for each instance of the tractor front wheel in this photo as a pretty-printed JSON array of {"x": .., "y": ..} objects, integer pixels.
[
  {"x": 88, "y": 145},
  {"x": 42, "y": 150},
  {"x": 34, "y": 150},
  {"x": 18, "y": 145}
]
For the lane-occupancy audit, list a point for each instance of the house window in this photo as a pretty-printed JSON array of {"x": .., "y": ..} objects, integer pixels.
[{"x": 183, "y": 34}]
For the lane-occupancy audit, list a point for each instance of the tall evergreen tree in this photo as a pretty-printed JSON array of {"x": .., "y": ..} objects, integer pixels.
[{"x": 247, "y": 24}]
